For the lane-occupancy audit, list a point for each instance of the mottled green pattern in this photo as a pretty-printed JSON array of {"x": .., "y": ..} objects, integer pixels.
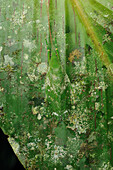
[{"x": 56, "y": 82}]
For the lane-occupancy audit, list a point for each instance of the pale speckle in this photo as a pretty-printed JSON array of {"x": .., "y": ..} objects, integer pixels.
[
  {"x": 26, "y": 56},
  {"x": 1, "y": 48},
  {"x": 106, "y": 16},
  {"x": 34, "y": 110},
  {"x": 54, "y": 113},
  {"x": 39, "y": 117}
]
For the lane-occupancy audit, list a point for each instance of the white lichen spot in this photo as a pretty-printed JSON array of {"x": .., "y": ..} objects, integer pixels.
[
  {"x": 106, "y": 16},
  {"x": 97, "y": 105},
  {"x": 15, "y": 31},
  {"x": 1, "y": 89},
  {"x": 37, "y": 21},
  {"x": 42, "y": 68},
  {"x": 8, "y": 60},
  {"x": 39, "y": 117},
  {"x": 21, "y": 83},
  {"x": 57, "y": 153},
  {"x": 65, "y": 111},
  {"x": 34, "y": 110},
  {"x": 9, "y": 37},
  {"x": 69, "y": 167},
  {"x": 73, "y": 107},
  {"x": 26, "y": 56},
  {"x": 28, "y": 44},
  {"x": 110, "y": 69}
]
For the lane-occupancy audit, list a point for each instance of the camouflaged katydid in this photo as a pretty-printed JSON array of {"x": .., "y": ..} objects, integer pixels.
[{"x": 57, "y": 82}]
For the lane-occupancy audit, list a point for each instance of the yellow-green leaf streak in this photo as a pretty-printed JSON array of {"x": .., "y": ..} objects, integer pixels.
[{"x": 90, "y": 31}]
